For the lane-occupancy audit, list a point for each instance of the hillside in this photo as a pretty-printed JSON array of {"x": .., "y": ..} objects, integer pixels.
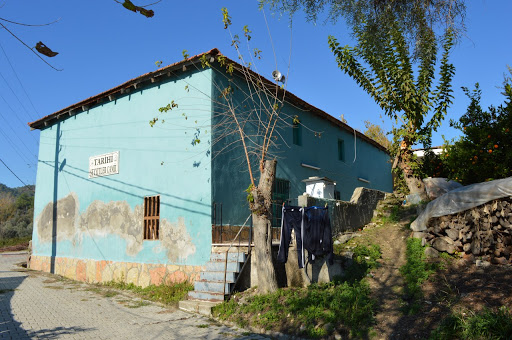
[{"x": 16, "y": 211}]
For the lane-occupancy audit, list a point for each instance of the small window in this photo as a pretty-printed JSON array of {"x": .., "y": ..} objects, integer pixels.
[
  {"x": 297, "y": 134},
  {"x": 151, "y": 217},
  {"x": 341, "y": 150}
]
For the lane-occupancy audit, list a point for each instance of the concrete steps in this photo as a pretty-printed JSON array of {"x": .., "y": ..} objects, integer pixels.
[{"x": 210, "y": 289}]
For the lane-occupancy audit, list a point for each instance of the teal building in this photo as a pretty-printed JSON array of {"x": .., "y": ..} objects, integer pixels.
[{"x": 132, "y": 182}]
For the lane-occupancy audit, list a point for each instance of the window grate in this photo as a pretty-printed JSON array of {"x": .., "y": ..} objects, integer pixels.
[{"x": 151, "y": 217}]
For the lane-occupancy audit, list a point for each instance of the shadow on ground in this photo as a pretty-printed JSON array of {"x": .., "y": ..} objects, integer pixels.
[
  {"x": 10, "y": 328},
  {"x": 460, "y": 287}
]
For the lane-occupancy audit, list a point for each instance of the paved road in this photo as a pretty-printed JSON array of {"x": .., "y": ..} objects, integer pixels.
[{"x": 35, "y": 305}]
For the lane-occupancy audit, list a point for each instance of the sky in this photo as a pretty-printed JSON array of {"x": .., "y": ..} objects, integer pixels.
[{"x": 102, "y": 45}]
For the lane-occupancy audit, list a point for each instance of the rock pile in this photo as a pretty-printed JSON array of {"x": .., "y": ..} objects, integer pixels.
[{"x": 484, "y": 231}]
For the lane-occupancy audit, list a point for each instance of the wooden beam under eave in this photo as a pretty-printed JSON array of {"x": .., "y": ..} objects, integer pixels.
[
  {"x": 153, "y": 79},
  {"x": 85, "y": 108},
  {"x": 122, "y": 90},
  {"x": 70, "y": 113},
  {"x": 45, "y": 123},
  {"x": 111, "y": 97},
  {"x": 135, "y": 85}
]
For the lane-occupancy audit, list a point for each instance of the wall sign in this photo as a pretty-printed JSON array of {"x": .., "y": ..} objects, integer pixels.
[{"x": 104, "y": 165}]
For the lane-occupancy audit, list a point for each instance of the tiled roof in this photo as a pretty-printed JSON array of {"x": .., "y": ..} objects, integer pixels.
[{"x": 126, "y": 87}]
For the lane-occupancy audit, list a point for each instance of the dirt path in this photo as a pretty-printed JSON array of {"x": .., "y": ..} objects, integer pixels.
[{"x": 387, "y": 283}]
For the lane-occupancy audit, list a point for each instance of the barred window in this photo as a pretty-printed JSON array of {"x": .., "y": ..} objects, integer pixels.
[{"x": 151, "y": 217}]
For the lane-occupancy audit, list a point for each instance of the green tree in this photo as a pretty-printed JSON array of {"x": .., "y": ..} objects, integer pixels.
[
  {"x": 376, "y": 133},
  {"x": 412, "y": 103},
  {"x": 24, "y": 202},
  {"x": 482, "y": 153},
  {"x": 417, "y": 18}
]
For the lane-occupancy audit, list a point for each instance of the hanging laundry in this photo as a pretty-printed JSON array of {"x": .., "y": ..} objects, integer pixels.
[
  {"x": 317, "y": 236},
  {"x": 291, "y": 219}
]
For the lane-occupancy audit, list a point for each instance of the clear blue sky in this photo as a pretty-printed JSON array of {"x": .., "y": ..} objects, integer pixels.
[{"x": 102, "y": 45}]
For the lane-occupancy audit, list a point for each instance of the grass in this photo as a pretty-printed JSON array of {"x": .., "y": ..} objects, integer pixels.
[
  {"x": 394, "y": 215},
  {"x": 166, "y": 294},
  {"x": 415, "y": 271},
  {"x": 138, "y": 304},
  {"x": 8, "y": 242},
  {"x": 317, "y": 311},
  {"x": 486, "y": 324}
]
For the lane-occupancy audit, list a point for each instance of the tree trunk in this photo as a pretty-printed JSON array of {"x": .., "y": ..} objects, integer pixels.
[
  {"x": 414, "y": 183},
  {"x": 261, "y": 209}
]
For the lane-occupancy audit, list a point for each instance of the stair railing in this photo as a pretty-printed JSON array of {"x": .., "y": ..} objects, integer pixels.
[{"x": 238, "y": 253}]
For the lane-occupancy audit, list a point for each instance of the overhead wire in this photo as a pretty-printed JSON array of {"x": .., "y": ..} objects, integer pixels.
[
  {"x": 16, "y": 150},
  {"x": 18, "y": 118},
  {"x": 16, "y": 96},
  {"x": 13, "y": 172},
  {"x": 19, "y": 80},
  {"x": 17, "y": 135}
]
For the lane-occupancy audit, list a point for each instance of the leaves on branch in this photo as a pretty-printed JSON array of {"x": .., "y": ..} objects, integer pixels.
[
  {"x": 226, "y": 19},
  {"x": 45, "y": 50}
]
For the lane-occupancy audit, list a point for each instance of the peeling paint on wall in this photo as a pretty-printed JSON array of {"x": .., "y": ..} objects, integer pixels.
[
  {"x": 113, "y": 218},
  {"x": 176, "y": 239},
  {"x": 116, "y": 217},
  {"x": 66, "y": 211}
]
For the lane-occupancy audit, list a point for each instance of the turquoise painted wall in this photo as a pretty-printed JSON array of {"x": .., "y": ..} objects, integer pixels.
[
  {"x": 159, "y": 160},
  {"x": 361, "y": 159}
]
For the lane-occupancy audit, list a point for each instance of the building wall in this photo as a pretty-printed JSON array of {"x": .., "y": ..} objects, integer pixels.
[
  {"x": 77, "y": 218},
  {"x": 319, "y": 148}
]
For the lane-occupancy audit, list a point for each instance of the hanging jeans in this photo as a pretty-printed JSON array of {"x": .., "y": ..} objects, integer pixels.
[
  {"x": 316, "y": 236},
  {"x": 291, "y": 219}
]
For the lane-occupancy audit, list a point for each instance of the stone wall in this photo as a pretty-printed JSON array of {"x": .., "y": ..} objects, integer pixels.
[
  {"x": 140, "y": 274},
  {"x": 349, "y": 216}
]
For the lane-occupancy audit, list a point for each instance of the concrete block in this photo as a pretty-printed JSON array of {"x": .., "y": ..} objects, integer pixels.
[{"x": 200, "y": 307}]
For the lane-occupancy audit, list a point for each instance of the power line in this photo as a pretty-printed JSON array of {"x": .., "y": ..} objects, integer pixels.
[
  {"x": 17, "y": 135},
  {"x": 16, "y": 96},
  {"x": 12, "y": 172},
  {"x": 18, "y": 118},
  {"x": 15, "y": 148},
  {"x": 21, "y": 84}
]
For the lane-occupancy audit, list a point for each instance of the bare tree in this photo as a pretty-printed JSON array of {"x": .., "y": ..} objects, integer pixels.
[{"x": 248, "y": 114}]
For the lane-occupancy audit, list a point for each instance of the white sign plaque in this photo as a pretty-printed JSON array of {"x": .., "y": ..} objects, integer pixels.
[{"x": 104, "y": 165}]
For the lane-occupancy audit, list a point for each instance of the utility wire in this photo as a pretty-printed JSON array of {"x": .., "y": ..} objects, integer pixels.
[
  {"x": 16, "y": 96},
  {"x": 17, "y": 135},
  {"x": 15, "y": 148},
  {"x": 21, "y": 84},
  {"x": 18, "y": 118},
  {"x": 12, "y": 172}
]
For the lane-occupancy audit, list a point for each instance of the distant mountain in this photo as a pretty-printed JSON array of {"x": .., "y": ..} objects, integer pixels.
[{"x": 15, "y": 192}]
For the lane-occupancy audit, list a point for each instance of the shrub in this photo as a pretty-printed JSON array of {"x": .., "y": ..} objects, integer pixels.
[{"x": 483, "y": 151}]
